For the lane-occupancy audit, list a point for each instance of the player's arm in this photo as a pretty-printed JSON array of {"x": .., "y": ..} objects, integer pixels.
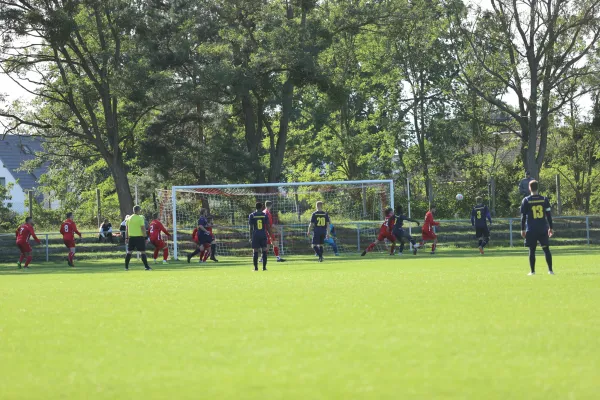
[
  {"x": 164, "y": 230},
  {"x": 413, "y": 220},
  {"x": 17, "y": 233},
  {"x": 313, "y": 220},
  {"x": 75, "y": 230},
  {"x": 327, "y": 223},
  {"x": 35, "y": 237},
  {"x": 250, "y": 227},
  {"x": 62, "y": 229},
  {"x": 523, "y": 217},
  {"x": 488, "y": 215},
  {"x": 473, "y": 217},
  {"x": 548, "y": 210}
]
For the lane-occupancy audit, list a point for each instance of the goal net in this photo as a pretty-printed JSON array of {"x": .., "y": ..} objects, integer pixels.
[{"x": 355, "y": 208}]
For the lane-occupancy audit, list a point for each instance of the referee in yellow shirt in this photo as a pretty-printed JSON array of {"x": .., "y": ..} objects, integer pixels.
[{"x": 136, "y": 237}]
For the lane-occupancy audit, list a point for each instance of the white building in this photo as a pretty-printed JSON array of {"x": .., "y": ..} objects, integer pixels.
[{"x": 14, "y": 151}]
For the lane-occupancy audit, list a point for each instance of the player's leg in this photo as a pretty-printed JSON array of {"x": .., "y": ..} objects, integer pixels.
[
  {"x": 21, "y": 258},
  {"x": 371, "y": 247},
  {"x": 531, "y": 242},
  {"x": 545, "y": 243},
  {"x": 72, "y": 255},
  {"x": 255, "y": 258},
  {"x": 165, "y": 250},
  {"x": 264, "y": 253},
  {"x": 199, "y": 248},
  {"x": 156, "y": 250},
  {"x": 274, "y": 241},
  {"x": 434, "y": 244},
  {"x": 213, "y": 250},
  {"x": 392, "y": 239},
  {"x": 485, "y": 238},
  {"x": 141, "y": 247},
  {"x": 28, "y": 258}
]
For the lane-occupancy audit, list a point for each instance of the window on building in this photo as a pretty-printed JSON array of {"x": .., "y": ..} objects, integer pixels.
[
  {"x": 2, "y": 181},
  {"x": 26, "y": 149}
]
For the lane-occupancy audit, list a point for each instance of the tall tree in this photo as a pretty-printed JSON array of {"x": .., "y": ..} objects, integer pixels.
[
  {"x": 78, "y": 60},
  {"x": 537, "y": 52}
]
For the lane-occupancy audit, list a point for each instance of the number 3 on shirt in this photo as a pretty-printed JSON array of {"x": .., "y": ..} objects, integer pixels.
[
  {"x": 478, "y": 214},
  {"x": 538, "y": 212},
  {"x": 320, "y": 221},
  {"x": 259, "y": 224}
]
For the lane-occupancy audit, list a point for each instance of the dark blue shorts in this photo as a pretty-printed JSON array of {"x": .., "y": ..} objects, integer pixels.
[
  {"x": 533, "y": 238},
  {"x": 401, "y": 234},
  {"x": 204, "y": 239},
  {"x": 318, "y": 238},
  {"x": 482, "y": 231},
  {"x": 259, "y": 241}
]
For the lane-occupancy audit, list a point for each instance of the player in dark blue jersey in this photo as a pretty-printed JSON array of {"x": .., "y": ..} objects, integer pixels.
[
  {"x": 205, "y": 226},
  {"x": 536, "y": 225},
  {"x": 204, "y": 238},
  {"x": 319, "y": 223},
  {"x": 259, "y": 231},
  {"x": 400, "y": 233},
  {"x": 479, "y": 217}
]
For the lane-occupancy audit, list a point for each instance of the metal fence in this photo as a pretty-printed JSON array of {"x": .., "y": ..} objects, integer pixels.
[{"x": 292, "y": 239}]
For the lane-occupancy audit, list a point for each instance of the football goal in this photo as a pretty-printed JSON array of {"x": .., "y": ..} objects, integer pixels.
[{"x": 355, "y": 208}]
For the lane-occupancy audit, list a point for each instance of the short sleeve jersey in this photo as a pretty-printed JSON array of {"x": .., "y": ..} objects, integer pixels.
[
  {"x": 388, "y": 223},
  {"x": 136, "y": 224},
  {"x": 320, "y": 219},
  {"x": 68, "y": 229},
  {"x": 259, "y": 223},
  {"x": 24, "y": 233},
  {"x": 203, "y": 221},
  {"x": 400, "y": 222},
  {"x": 534, "y": 208},
  {"x": 156, "y": 227}
]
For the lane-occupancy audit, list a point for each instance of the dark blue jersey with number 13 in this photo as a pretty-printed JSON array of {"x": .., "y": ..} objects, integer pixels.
[
  {"x": 259, "y": 223},
  {"x": 535, "y": 207}
]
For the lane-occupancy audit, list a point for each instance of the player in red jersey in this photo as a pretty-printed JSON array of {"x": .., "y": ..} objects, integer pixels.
[
  {"x": 23, "y": 234},
  {"x": 68, "y": 229},
  {"x": 427, "y": 231},
  {"x": 271, "y": 238},
  {"x": 155, "y": 230},
  {"x": 385, "y": 232}
]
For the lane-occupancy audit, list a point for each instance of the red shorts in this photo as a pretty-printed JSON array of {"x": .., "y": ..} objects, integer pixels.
[
  {"x": 429, "y": 235},
  {"x": 24, "y": 247},
  {"x": 159, "y": 244},
  {"x": 386, "y": 235},
  {"x": 70, "y": 243}
]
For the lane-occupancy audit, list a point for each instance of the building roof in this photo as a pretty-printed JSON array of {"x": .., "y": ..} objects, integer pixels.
[{"x": 14, "y": 151}]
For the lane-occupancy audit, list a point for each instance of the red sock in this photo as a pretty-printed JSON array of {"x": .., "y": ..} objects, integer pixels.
[
  {"x": 22, "y": 257},
  {"x": 156, "y": 253},
  {"x": 166, "y": 253},
  {"x": 202, "y": 252},
  {"x": 276, "y": 251},
  {"x": 371, "y": 247},
  {"x": 28, "y": 261},
  {"x": 206, "y": 254}
]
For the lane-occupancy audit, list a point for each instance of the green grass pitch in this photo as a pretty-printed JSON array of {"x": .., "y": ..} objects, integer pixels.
[{"x": 452, "y": 326}]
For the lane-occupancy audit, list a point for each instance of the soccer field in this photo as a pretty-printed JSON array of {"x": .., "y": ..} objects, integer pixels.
[{"x": 450, "y": 326}]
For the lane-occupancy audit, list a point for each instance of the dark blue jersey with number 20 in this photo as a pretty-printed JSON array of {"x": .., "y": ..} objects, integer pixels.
[
  {"x": 535, "y": 207},
  {"x": 320, "y": 219},
  {"x": 259, "y": 223}
]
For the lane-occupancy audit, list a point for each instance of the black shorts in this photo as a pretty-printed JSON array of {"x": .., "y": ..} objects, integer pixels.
[
  {"x": 318, "y": 238},
  {"x": 401, "y": 234},
  {"x": 259, "y": 241},
  {"x": 533, "y": 238},
  {"x": 204, "y": 238},
  {"x": 136, "y": 243},
  {"x": 482, "y": 232}
]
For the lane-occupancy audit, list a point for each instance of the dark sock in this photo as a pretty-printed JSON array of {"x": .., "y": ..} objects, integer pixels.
[
  {"x": 401, "y": 247},
  {"x": 548, "y": 258},
  {"x": 197, "y": 251},
  {"x": 264, "y": 254},
  {"x": 413, "y": 242},
  {"x": 316, "y": 249},
  {"x": 255, "y": 259},
  {"x": 213, "y": 250},
  {"x": 532, "y": 259},
  {"x": 145, "y": 260},
  {"x": 480, "y": 243},
  {"x": 484, "y": 242},
  {"x": 127, "y": 259},
  {"x": 320, "y": 251}
]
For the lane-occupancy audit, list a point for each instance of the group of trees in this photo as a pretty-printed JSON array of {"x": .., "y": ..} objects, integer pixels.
[{"x": 209, "y": 91}]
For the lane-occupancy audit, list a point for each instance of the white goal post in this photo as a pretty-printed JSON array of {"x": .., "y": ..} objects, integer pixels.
[{"x": 351, "y": 205}]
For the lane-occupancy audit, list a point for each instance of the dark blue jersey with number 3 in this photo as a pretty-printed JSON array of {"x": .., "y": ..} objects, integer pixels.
[
  {"x": 259, "y": 223},
  {"x": 535, "y": 207}
]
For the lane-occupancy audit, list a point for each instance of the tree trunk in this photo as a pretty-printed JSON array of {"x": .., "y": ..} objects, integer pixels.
[
  {"x": 119, "y": 174},
  {"x": 284, "y": 122},
  {"x": 252, "y": 139},
  {"x": 201, "y": 172}
]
